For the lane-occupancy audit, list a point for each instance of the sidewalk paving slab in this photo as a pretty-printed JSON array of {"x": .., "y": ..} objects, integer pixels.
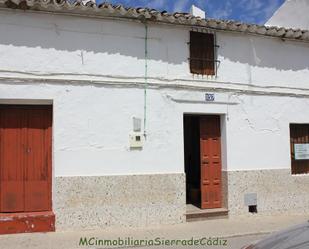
[{"x": 223, "y": 228}]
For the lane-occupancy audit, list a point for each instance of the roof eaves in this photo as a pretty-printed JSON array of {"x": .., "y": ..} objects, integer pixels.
[{"x": 119, "y": 11}]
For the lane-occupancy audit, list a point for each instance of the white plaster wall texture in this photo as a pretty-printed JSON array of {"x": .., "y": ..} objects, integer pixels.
[
  {"x": 258, "y": 131},
  {"x": 92, "y": 126},
  {"x": 66, "y": 46},
  {"x": 93, "y": 71}
]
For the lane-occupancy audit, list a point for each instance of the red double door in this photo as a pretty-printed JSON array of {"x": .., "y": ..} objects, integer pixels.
[
  {"x": 210, "y": 158},
  {"x": 25, "y": 158}
]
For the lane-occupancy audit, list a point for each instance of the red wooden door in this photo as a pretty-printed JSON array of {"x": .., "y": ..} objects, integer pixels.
[
  {"x": 12, "y": 123},
  {"x": 210, "y": 151},
  {"x": 38, "y": 158},
  {"x": 25, "y": 158}
]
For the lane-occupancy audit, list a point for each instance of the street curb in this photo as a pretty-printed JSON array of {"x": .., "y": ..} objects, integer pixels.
[{"x": 247, "y": 234}]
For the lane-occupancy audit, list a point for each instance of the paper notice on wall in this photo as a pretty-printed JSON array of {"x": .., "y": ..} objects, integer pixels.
[{"x": 301, "y": 151}]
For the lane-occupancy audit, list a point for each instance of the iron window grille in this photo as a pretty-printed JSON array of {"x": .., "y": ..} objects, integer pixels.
[{"x": 203, "y": 53}]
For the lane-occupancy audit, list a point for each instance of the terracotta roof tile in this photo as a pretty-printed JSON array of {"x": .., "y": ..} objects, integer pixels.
[{"x": 108, "y": 10}]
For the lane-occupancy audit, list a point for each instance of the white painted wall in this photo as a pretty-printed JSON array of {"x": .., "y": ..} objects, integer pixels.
[
  {"x": 92, "y": 70},
  {"x": 93, "y": 49},
  {"x": 291, "y": 14}
]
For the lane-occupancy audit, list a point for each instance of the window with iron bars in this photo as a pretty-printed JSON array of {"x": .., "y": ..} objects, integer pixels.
[{"x": 203, "y": 53}]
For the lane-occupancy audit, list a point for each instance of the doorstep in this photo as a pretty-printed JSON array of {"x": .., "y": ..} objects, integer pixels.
[
  {"x": 31, "y": 222},
  {"x": 195, "y": 214}
]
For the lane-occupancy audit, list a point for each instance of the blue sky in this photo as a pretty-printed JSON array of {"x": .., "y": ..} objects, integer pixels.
[{"x": 250, "y": 11}]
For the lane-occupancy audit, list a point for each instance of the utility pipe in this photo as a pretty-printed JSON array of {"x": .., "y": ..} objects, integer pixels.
[{"x": 145, "y": 80}]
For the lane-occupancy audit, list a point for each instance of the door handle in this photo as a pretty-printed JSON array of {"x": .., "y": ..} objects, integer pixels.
[{"x": 28, "y": 150}]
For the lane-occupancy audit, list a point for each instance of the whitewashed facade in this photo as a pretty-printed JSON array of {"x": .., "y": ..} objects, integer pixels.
[{"x": 94, "y": 72}]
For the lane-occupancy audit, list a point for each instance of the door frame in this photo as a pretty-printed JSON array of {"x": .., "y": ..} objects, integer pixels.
[{"x": 224, "y": 175}]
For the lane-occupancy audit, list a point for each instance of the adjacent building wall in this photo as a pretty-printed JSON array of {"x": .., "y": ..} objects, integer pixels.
[{"x": 291, "y": 14}]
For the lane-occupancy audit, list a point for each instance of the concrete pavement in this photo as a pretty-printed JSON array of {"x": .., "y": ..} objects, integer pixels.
[{"x": 209, "y": 229}]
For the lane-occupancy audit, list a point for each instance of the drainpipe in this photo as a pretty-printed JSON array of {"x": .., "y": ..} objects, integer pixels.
[{"x": 145, "y": 79}]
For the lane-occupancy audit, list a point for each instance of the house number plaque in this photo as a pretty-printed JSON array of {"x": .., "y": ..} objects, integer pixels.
[{"x": 210, "y": 97}]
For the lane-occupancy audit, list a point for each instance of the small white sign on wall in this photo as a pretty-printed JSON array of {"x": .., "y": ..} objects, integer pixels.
[{"x": 301, "y": 151}]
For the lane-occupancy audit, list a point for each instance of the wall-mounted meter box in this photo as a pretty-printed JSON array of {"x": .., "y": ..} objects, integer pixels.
[
  {"x": 136, "y": 140},
  {"x": 251, "y": 199}
]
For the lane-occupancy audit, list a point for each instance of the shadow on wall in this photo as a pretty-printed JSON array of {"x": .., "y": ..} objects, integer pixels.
[
  {"x": 97, "y": 36},
  {"x": 264, "y": 52}
]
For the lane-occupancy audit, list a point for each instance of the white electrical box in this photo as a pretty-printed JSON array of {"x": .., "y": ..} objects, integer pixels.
[{"x": 136, "y": 140}]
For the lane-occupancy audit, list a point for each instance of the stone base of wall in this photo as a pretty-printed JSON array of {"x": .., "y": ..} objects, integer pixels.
[
  {"x": 148, "y": 200},
  {"x": 278, "y": 191},
  {"x": 119, "y": 201}
]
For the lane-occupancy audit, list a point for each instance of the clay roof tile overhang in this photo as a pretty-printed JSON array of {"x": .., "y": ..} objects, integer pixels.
[{"x": 107, "y": 10}]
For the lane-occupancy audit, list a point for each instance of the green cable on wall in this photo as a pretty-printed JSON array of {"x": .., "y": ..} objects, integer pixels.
[{"x": 145, "y": 78}]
